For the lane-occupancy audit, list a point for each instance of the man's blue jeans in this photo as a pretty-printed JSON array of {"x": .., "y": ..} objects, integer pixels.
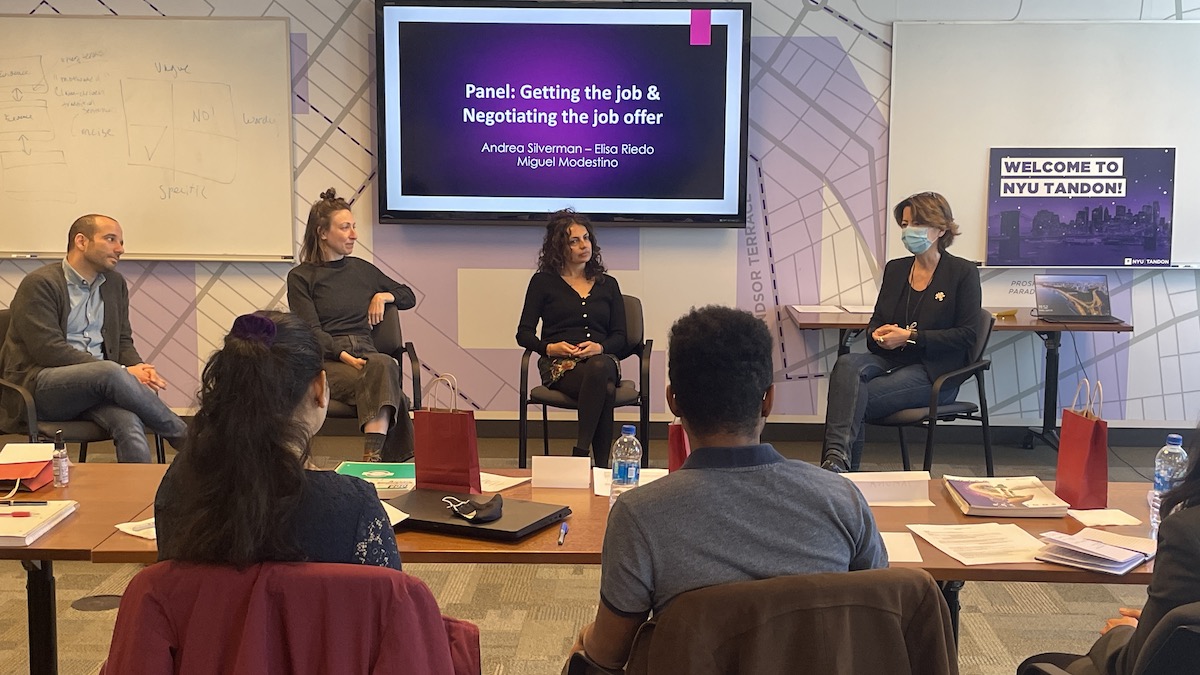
[
  {"x": 108, "y": 395},
  {"x": 862, "y": 388}
]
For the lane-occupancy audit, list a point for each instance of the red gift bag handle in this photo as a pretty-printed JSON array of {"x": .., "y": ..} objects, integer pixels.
[{"x": 431, "y": 395}]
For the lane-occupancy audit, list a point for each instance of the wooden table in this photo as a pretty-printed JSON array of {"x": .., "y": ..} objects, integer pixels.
[
  {"x": 107, "y": 494},
  {"x": 589, "y": 515},
  {"x": 850, "y": 326}
]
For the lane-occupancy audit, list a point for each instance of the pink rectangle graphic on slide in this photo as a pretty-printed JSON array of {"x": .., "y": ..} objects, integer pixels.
[{"x": 701, "y": 26}]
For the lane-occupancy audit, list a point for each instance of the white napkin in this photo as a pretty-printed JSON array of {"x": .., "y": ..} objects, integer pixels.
[{"x": 141, "y": 528}]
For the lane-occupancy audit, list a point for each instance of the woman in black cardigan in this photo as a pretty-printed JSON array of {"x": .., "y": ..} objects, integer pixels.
[
  {"x": 923, "y": 327},
  {"x": 583, "y": 327}
]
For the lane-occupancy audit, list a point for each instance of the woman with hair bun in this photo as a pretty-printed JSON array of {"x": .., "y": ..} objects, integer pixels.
[
  {"x": 582, "y": 313},
  {"x": 923, "y": 326},
  {"x": 342, "y": 298},
  {"x": 244, "y": 492}
]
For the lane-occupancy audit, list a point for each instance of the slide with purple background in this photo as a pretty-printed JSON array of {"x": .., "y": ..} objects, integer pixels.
[
  {"x": 1080, "y": 207},
  {"x": 570, "y": 111}
]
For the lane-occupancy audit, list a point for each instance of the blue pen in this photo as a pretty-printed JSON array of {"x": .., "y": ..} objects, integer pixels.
[{"x": 562, "y": 533}]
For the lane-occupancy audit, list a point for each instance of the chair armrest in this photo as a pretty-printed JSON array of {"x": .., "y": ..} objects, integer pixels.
[
  {"x": 414, "y": 364},
  {"x": 973, "y": 369},
  {"x": 525, "y": 376},
  {"x": 1045, "y": 669},
  {"x": 578, "y": 663},
  {"x": 644, "y": 366},
  {"x": 30, "y": 408}
]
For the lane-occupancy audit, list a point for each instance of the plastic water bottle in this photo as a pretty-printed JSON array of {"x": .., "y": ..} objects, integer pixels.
[
  {"x": 60, "y": 462},
  {"x": 1170, "y": 465},
  {"x": 626, "y": 463}
]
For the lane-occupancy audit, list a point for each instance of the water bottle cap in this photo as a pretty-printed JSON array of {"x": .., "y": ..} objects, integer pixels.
[
  {"x": 1174, "y": 439},
  {"x": 629, "y": 430}
]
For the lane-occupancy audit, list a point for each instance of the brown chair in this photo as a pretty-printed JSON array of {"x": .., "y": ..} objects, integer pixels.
[
  {"x": 74, "y": 431},
  {"x": 389, "y": 339},
  {"x": 275, "y": 617},
  {"x": 844, "y": 623},
  {"x": 935, "y": 412},
  {"x": 629, "y": 393}
]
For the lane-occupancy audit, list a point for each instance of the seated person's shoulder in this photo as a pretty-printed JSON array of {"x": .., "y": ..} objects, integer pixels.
[{"x": 338, "y": 489}]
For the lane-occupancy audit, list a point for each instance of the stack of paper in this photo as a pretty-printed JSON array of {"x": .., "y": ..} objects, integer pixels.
[
  {"x": 985, "y": 544},
  {"x": 892, "y": 488},
  {"x": 22, "y": 524},
  {"x": 1022, "y": 496},
  {"x": 1083, "y": 551}
]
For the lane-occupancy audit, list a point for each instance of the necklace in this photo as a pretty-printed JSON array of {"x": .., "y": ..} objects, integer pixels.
[{"x": 910, "y": 313}]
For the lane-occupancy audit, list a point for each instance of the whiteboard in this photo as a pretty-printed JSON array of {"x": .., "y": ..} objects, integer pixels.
[
  {"x": 178, "y": 128},
  {"x": 959, "y": 89}
]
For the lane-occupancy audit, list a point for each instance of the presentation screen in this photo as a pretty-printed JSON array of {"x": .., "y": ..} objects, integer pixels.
[
  {"x": 1080, "y": 207},
  {"x": 498, "y": 113}
]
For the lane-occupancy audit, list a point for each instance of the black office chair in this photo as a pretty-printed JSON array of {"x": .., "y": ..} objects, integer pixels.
[
  {"x": 74, "y": 431},
  {"x": 628, "y": 392},
  {"x": 389, "y": 339},
  {"x": 928, "y": 417},
  {"x": 1172, "y": 648}
]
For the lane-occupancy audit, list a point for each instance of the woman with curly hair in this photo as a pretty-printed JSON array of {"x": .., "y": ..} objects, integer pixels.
[{"x": 583, "y": 327}]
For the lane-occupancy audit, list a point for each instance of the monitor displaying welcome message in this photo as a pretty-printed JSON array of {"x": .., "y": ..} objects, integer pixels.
[{"x": 633, "y": 113}]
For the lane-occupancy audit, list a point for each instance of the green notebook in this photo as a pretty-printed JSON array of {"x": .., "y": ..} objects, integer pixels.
[{"x": 390, "y": 480}]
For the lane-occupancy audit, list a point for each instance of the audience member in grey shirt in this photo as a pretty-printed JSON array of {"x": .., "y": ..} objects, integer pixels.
[{"x": 737, "y": 510}]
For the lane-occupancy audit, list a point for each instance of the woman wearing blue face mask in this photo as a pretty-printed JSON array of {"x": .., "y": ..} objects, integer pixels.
[{"x": 923, "y": 326}]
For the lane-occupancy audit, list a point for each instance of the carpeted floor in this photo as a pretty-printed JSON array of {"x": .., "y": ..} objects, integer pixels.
[{"x": 529, "y": 614}]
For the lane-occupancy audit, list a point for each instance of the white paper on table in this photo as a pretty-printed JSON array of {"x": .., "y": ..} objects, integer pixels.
[
  {"x": 819, "y": 309},
  {"x": 892, "y": 488},
  {"x": 859, "y": 309},
  {"x": 490, "y": 482},
  {"x": 394, "y": 514},
  {"x": 602, "y": 479},
  {"x": 140, "y": 528},
  {"x": 1140, "y": 544},
  {"x": 1099, "y": 517},
  {"x": 556, "y": 471},
  {"x": 984, "y": 544},
  {"x": 20, "y": 453},
  {"x": 901, "y": 547}
]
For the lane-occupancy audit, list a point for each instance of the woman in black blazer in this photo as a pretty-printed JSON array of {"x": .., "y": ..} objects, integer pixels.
[
  {"x": 582, "y": 313},
  {"x": 923, "y": 327}
]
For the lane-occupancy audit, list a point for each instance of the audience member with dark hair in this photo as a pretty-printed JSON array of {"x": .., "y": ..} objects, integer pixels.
[
  {"x": 244, "y": 492},
  {"x": 342, "y": 298},
  {"x": 923, "y": 326},
  {"x": 582, "y": 313},
  {"x": 737, "y": 510},
  {"x": 1175, "y": 582}
]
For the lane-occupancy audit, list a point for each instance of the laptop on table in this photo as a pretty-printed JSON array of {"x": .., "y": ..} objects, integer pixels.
[
  {"x": 1073, "y": 298},
  {"x": 519, "y": 518}
]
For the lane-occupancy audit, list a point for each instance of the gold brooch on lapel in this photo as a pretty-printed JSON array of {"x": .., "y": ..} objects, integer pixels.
[{"x": 940, "y": 296}]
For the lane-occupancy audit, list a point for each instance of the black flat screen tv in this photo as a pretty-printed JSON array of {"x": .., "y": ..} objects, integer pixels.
[{"x": 634, "y": 113}]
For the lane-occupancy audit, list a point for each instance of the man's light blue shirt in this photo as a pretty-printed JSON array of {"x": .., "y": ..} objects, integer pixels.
[{"x": 85, "y": 320}]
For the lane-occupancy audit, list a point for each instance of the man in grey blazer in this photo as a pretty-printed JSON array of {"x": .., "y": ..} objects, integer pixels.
[{"x": 70, "y": 343}]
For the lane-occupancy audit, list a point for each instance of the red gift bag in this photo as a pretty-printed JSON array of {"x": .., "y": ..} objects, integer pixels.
[
  {"x": 29, "y": 476},
  {"x": 446, "y": 446},
  {"x": 1082, "y": 479},
  {"x": 678, "y": 447}
]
